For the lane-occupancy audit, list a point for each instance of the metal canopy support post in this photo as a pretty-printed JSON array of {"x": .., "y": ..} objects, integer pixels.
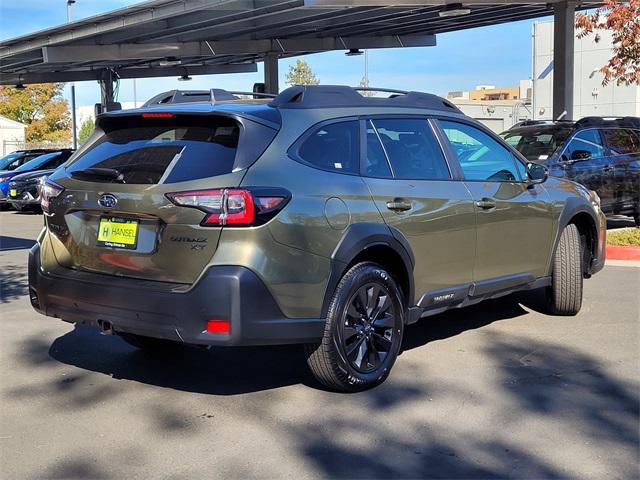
[
  {"x": 563, "y": 46},
  {"x": 106, "y": 89},
  {"x": 271, "y": 73},
  {"x": 74, "y": 126}
]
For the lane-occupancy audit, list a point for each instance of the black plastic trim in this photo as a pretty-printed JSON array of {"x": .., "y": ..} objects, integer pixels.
[
  {"x": 356, "y": 239},
  {"x": 160, "y": 310}
]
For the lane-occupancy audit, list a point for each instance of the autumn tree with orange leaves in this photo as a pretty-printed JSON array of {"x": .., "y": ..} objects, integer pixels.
[
  {"x": 623, "y": 20},
  {"x": 41, "y": 107}
]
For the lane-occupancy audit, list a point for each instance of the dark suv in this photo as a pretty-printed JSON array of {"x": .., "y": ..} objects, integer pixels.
[
  {"x": 602, "y": 154},
  {"x": 321, "y": 217}
]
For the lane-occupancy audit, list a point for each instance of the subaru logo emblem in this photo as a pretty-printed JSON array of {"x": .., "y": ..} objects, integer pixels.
[{"x": 107, "y": 200}]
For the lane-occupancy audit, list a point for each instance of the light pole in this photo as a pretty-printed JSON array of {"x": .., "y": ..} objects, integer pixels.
[{"x": 73, "y": 89}]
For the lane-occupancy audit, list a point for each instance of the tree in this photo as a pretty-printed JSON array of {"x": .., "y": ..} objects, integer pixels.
[
  {"x": 623, "y": 20},
  {"x": 300, "y": 73},
  {"x": 87, "y": 128},
  {"x": 41, "y": 107}
]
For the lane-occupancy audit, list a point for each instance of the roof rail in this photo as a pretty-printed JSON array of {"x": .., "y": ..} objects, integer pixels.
[
  {"x": 526, "y": 123},
  {"x": 608, "y": 121},
  {"x": 217, "y": 95},
  {"x": 331, "y": 96}
]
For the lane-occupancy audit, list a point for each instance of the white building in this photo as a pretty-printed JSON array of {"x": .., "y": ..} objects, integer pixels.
[
  {"x": 11, "y": 135},
  {"x": 589, "y": 96}
]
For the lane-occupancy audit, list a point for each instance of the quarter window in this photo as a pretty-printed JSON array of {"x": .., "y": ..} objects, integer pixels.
[
  {"x": 585, "y": 144},
  {"x": 410, "y": 147},
  {"x": 333, "y": 147},
  {"x": 480, "y": 156},
  {"x": 622, "y": 141}
]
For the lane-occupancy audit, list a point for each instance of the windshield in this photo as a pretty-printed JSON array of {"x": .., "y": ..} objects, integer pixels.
[
  {"x": 537, "y": 144},
  {"x": 38, "y": 162}
]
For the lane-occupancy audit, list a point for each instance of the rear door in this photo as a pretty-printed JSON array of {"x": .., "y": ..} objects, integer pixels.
[
  {"x": 623, "y": 175},
  {"x": 415, "y": 191},
  {"x": 126, "y": 225},
  {"x": 514, "y": 222},
  {"x": 584, "y": 161}
]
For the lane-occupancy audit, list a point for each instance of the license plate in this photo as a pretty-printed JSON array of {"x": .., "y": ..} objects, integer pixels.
[
  {"x": 118, "y": 232},
  {"x": 13, "y": 192}
]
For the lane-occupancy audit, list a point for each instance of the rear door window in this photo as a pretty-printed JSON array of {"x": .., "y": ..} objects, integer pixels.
[
  {"x": 622, "y": 141},
  {"x": 164, "y": 153},
  {"x": 411, "y": 148},
  {"x": 333, "y": 147}
]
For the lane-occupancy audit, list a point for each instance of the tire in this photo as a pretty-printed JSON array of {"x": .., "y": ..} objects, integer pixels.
[
  {"x": 148, "y": 344},
  {"x": 565, "y": 293},
  {"x": 363, "y": 332}
]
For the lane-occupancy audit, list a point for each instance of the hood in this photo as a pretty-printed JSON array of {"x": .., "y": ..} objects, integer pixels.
[
  {"x": 7, "y": 173},
  {"x": 32, "y": 174}
]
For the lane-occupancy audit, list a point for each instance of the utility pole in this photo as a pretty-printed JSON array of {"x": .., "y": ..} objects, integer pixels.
[
  {"x": 73, "y": 89},
  {"x": 366, "y": 68}
]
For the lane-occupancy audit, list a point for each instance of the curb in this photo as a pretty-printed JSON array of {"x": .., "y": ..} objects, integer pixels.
[{"x": 622, "y": 253}]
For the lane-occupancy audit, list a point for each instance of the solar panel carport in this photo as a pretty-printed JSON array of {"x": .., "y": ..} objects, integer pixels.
[{"x": 194, "y": 37}]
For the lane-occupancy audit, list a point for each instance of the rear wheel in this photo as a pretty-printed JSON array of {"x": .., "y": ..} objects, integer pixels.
[
  {"x": 149, "y": 344},
  {"x": 363, "y": 332},
  {"x": 565, "y": 293}
]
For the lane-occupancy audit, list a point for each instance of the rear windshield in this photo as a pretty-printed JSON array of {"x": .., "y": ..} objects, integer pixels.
[
  {"x": 163, "y": 153},
  {"x": 537, "y": 143}
]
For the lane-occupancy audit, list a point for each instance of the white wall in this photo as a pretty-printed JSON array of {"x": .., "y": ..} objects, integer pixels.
[
  {"x": 11, "y": 135},
  {"x": 495, "y": 115},
  {"x": 589, "y": 96}
]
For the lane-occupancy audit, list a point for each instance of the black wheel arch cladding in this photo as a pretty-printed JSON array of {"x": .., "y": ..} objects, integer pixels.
[{"x": 360, "y": 237}]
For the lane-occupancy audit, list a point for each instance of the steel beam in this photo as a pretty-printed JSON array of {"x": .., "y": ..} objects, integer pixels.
[
  {"x": 140, "y": 72},
  {"x": 152, "y": 51},
  {"x": 271, "y": 73},
  {"x": 563, "y": 48}
]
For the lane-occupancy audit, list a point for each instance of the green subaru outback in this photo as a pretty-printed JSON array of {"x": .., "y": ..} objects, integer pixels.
[{"x": 321, "y": 217}]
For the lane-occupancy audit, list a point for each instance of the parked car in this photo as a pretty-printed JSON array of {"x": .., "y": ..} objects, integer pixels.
[
  {"x": 603, "y": 154},
  {"x": 14, "y": 159},
  {"x": 43, "y": 164},
  {"x": 323, "y": 217}
]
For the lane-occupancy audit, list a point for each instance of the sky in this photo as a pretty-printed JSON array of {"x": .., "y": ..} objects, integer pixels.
[{"x": 496, "y": 55}]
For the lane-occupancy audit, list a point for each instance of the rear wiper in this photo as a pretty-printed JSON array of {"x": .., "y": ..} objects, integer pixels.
[{"x": 106, "y": 173}]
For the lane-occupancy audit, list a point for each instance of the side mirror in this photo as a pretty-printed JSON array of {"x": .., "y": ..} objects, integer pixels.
[
  {"x": 580, "y": 155},
  {"x": 537, "y": 173}
]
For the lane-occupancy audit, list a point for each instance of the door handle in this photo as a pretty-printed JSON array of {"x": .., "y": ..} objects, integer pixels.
[
  {"x": 607, "y": 168},
  {"x": 486, "y": 204},
  {"x": 399, "y": 205}
]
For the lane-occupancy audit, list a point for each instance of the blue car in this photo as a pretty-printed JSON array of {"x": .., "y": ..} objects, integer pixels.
[{"x": 41, "y": 162}]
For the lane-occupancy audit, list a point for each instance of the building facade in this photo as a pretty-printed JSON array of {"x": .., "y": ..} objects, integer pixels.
[
  {"x": 590, "y": 97},
  {"x": 11, "y": 135}
]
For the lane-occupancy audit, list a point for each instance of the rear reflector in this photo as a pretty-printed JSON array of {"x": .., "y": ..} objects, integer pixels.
[{"x": 218, "y": 327}]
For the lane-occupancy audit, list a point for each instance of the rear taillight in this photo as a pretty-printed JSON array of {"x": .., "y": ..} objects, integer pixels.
[
  {"x": 49, "y": 190},
  {"x": 233, "y": 206}
]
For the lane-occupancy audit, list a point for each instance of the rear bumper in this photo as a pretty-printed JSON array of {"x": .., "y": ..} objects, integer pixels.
[{"x": 161, "y": 310}]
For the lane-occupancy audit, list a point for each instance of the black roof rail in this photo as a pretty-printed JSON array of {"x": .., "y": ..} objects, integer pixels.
[
  {"x": 331, "y": 96},
  {"x": 220, "y": 95},
  {"x": 214, "y": 95},
  {"x": 526, "y": 123},
  {"x": 608, "y": 122}
]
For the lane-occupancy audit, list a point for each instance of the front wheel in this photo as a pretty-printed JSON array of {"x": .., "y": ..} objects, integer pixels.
[
  {"x": 565, "y": 293},
  {"x": 363, "y": 333}
]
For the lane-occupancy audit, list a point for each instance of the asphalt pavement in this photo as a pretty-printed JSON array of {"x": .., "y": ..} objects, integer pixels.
[{"x": 492, "y": 391}]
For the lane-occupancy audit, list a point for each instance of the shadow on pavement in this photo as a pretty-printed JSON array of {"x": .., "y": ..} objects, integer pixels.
[
  {"x": 13, "y": 243},
  {"x": 13, "y": 283}
]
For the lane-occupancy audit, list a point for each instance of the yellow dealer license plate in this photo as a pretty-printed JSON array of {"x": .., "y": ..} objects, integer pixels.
[
  {"x": 118, "y": 232},
  {"x": 13, "y": 192}
]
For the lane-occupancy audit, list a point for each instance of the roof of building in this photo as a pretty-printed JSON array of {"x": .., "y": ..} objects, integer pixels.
[
  {"x": 177, "y": 37},
  {"x": 14, "y": 123}
]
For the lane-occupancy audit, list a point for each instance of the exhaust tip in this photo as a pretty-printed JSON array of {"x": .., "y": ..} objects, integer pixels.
[{"x": 106, "y": 328}]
